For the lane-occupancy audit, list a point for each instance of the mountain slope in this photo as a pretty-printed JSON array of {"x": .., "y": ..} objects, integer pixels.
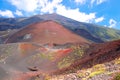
[
  {"x": 24, "y": 61},
  {"x": 100, "y": 61},
  {"x": 46, "y": 32},
  {"x": 97, "y": 33}
]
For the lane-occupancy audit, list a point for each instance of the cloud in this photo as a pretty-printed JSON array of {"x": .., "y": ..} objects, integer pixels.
[
  {"x": 80, "y": 1},
  {"x": 100, "y": 1},
  {"x": 33, "y": 5},
  {"x": 91, "y": 2},
  {"x": 25, "y": 5},
  {"x": 96, "y": 2},
  {"x": 112, "y": 23},
  {"x": 99, "y": 19},
  {"x": 47, "y": 6},
  {"x": 6, "y": 13},
  {"x": 105, "y": 25},
  {"x": 19, "y": 13},
  {"x": 75, "y": 14},
  {"x": 54, "y": 6}
]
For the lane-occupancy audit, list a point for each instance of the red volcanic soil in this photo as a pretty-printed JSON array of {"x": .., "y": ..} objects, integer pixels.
[
  {"x": 25, "y": 56},
  {"x": 26, "y": 47},
  {"x": 46, "y": 32},
  {"x": 96, "y": 54},
  {"x": 62, "y": 53},
  {"x": 34, "y": 59}
]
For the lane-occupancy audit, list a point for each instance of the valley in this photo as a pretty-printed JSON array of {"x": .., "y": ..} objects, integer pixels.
[{"x": 53, "y": 47}]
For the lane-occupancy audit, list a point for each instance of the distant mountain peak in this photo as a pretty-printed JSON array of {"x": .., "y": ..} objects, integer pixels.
[
  {"x": 46, "y": 32},
  {"x": 97, "y": 33}
]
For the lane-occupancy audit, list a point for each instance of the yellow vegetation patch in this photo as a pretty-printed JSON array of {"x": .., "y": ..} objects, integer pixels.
[
  {"x": 91, "y": 72},
  {"x": 65, "y": 62},
  {"x": 99, "y": 67},
  {"x": 95, "y": 73},
  {"x": 117, "y": 61}
]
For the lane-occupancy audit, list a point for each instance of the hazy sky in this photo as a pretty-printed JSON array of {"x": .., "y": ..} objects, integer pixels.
[{"x": 102, "y": 12}]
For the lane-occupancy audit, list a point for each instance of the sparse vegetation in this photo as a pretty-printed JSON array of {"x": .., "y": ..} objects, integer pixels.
[
  {"x": 78, "y": 51},
  {"x": 49, "y": 56},
  {"x": 117, "y": 61},
  {"x": 95, "y": 73},
  {"x": 91, "y": 72},
  {"x": 44, "y": 49},
  {"x": 65, "y": 62},
  {"x": 83, "y": 74},
  {"x": 117, "y": 77},
  {"x": 99, "y": 67},
  {"x": 5, "y": 52}
]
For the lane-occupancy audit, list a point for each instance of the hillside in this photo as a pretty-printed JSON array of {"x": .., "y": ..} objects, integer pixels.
[
  {"x": 46, "y": 32},
  {"x": 31, "y": 61},
  {"x": 53, "y": 47},
  {"x": 96, "y": 33}
]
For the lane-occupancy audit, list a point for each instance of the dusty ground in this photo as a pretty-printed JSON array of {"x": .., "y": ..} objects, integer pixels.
[{"x": 32, "y": 61}]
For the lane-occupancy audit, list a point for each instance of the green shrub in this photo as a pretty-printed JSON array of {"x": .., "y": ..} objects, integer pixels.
[{"x": 117, "y": 77}]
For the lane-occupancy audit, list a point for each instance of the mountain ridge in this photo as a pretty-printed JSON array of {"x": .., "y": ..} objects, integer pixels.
[
  {"x": 98, "y": 33},
  {"x": 58, "y": 49},
  {"x": 46, "y": 32}
]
